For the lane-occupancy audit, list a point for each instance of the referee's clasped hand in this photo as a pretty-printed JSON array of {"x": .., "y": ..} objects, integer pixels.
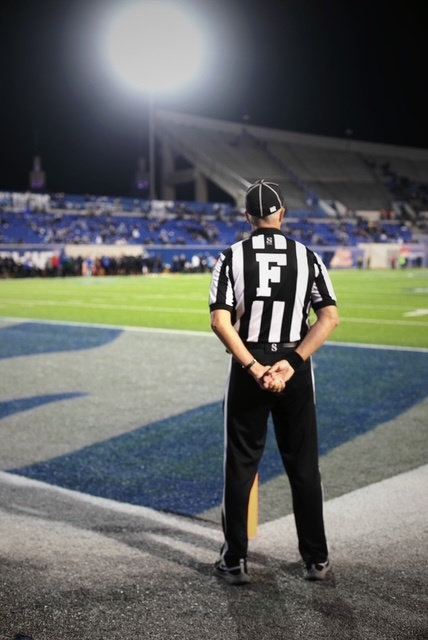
[
  {"x": 277, "y": 376},
  {"x": 273, "y": 382}
]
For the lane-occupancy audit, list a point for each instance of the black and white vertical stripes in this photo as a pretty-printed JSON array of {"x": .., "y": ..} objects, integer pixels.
[{"x": 269, "y": 283}]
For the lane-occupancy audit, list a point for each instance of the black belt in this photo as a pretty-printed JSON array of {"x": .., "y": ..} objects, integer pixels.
[{"x": 271, "y": 347}]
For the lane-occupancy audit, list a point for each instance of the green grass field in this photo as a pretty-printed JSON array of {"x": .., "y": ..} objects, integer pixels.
[{"x": 376, "y": 307}]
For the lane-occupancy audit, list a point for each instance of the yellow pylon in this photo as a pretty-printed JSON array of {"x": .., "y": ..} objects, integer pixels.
[{"x": 253, "y": 509}]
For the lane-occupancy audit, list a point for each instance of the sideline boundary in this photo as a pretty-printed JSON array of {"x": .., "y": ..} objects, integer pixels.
[
  {"x": 184, "y": 523},
  {"x": 333, "y": 343}
]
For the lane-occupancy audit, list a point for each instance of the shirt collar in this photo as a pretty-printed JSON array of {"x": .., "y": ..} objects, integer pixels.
[{"x": 266, "y": 230}]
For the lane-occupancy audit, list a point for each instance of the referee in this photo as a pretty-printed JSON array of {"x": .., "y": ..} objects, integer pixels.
[{"x": 261, "y": 294}]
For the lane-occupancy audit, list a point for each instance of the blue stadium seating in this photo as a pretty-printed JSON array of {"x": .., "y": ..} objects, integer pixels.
[{"x": 83, "y": 220}]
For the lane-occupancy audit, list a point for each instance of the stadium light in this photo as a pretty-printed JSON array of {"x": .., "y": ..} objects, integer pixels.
[{"x": 154, "y": 47}]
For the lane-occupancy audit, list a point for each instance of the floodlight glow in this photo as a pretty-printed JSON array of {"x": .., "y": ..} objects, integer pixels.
[{"x": 154, "y": 47}]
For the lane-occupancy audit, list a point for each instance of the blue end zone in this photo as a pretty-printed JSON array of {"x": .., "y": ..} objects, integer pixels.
[
  {"x": 10, "y": 407},
  {"x": 173, "y": 465},
  {"x": 176, "y": 465},
  {"x": 32, "y": 338}
]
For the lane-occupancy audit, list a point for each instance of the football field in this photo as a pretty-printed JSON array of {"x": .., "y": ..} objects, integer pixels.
[
  {"x": 111, "y": 467},
  {"x": 376, "y": 307}
]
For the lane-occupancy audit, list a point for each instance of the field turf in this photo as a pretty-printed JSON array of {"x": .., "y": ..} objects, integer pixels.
[{"x": 376, "y": 307}]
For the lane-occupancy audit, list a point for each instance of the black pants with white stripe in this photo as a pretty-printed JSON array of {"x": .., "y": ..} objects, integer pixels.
[{"x": 247, "y": 408}]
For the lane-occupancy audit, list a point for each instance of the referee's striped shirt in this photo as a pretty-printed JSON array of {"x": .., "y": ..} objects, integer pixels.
[{"x": 269, "y": 283}]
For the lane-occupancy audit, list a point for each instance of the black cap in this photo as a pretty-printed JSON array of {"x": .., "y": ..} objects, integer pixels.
[{"x": 263, "y": 198}]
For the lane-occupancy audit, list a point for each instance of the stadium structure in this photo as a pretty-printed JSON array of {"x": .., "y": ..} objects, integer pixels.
[
  {"x": 351, "y": 174},
  {"x": 355, "y": 202}
]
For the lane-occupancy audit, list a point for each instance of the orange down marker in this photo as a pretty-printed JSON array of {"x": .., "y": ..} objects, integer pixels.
[{"x": 253, "y": 509}]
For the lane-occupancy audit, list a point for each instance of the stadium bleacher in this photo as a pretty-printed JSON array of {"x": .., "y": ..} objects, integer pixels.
[
  {"x": 166, "y": 224},
  {"x": 338, "y": 193},
  {"x": 309, "y": 168}
]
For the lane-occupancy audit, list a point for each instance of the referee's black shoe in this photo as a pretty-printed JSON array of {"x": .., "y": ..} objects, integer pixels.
[
  {"x": 317, "y": 571},
  {"x": 236, "y": 575}
]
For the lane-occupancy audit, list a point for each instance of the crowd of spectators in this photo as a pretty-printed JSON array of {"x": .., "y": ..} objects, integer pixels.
[
  {"x": 52, "y": 222},
  {"x": 103, "y": 223},
  {"x": 183, "y": 224},
  {"x": 347, "y": 233},
  {"x": 59, "y": 264}
]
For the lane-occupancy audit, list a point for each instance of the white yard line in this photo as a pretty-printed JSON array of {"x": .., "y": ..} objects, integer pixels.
[
  {"x": 91, "y": 305},
  {"x": 140, "y": 308},
  {"x": 209, "y": 334},
  {"x": 384, "y": 513},
  {"x": 68, "y": 323},
  {"x": 183, "y": 524},
  {"x": 402, "y": 323},
  {"x": 367, "y": 516}
]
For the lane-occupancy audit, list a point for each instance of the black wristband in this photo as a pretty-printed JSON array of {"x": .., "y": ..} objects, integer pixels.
[
  {"x": 294, "y": 359},
  {"x": 247, "y": 367}
]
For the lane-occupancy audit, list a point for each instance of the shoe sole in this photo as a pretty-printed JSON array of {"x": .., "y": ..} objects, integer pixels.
[
  {"x": 312, "y": 574},
  {"x": 242, "y": 578}
]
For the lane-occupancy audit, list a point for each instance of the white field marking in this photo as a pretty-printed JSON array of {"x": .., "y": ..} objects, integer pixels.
[
  {"x": 155, "y": 296},
  {"x": 183, "y": 524},
  {"x": 29, "y": 510},
  {"x": 119, "y": 327},
  {"x": 200, "y": 554},
  {"x": 100, "y": 281},
  {"x": 108, "y": 295},
  {"x": 188, "y": 332},
  {"x": 147, "y": 276},
  {"x": 372, "y": 516},
  {"x": 385, "y": 347},
  {"x": 87, "y": 305},
  {"x": 361, "y": 288},
  {"x": 416, "y": 313},
  {"x": 383, "y": 307},
  {"x": 360, "y": 297},
  {"x": 401, "y": 323}
]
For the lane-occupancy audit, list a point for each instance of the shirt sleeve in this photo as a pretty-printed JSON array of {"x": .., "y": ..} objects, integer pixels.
[
  {"x": 221, "y": 291},
  {"x": 322, "y": 294}
]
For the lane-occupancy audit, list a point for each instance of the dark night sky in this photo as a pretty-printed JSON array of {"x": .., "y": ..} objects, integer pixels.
[{"x": 309, "y": 66}]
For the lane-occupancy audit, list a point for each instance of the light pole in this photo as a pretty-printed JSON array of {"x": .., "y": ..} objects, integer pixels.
[
  {"x": 154, "y": 48},
  {"x": 152, "y": 150}
]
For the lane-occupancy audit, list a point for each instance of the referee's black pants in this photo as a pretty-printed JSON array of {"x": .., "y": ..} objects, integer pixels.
[{"x": 246, "y": 411}]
